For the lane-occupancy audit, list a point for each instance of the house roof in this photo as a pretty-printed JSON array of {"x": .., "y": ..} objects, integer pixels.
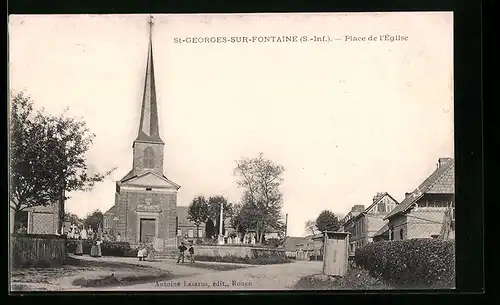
[
  {"x": 441, "y": 181},
  {"x": 382, "y": 230},
  {"x": 111, "y": 210},
  {"x": 182, "y": 216},
  {"x": 291, "y": 243},
  {"x": 377, "y": 198}
]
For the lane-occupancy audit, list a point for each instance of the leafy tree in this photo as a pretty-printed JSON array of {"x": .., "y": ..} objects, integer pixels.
[
  {"x": 72, "y": 218},
  {"x": 198, "y": 211},
  {"x": 214, "y": 204},
  {"x": 310, "y": 227},
  {"x": 327, "y": 221},
  {"x": 262, "y": 200},
  {"x": 47, "y": 157},
  {"x": 94, "y": 220}
]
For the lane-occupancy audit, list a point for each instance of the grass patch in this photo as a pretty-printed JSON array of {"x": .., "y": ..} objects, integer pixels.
[
  {"x": 355, "y": 279},
  {"x": 260, "y": 260},
  {"x": 74, "y": 266},
  {"x": 113, "y": 280}
]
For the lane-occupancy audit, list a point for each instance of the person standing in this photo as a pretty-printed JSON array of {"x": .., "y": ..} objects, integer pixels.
[
  {"x": 94, "y": 250},
  {"x": 79, "y": 246},
  {"x": 151, "y": 252},
  {"x": 182, "y": 248},
  {"x": 99, "y": 249},
  {"x": 191, "y": 253}
]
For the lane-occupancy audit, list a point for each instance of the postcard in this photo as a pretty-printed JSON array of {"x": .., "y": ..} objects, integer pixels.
[{"x": 223, "y": 152}]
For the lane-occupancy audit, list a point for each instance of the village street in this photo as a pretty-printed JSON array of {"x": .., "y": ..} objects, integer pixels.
[{"x": 268, "y": 277}]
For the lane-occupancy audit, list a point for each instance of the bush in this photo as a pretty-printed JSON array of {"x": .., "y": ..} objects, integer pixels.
[
  {"x": 108, "y": 248},
  {"x": 259, "y": 260},
  {"x": 413, "y": 263},
  {"x": 274, "y": 242},
  {"x": 354, "y": 279}
]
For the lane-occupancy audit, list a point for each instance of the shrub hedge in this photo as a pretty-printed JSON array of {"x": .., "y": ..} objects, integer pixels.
[
  {"x": 108, "y": 248},
  {"x": 412, "y": 263},
  {"x": 260, "y": 260}
]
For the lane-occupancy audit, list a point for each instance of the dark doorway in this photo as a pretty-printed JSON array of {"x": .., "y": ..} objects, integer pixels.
[
  {"x": 147, "y": 228},
  {"x": 21, "y": 221}
]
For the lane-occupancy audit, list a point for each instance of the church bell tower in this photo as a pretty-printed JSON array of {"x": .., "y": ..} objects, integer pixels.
[
  {"x": 148, "y": 146},
  {"x": 145, "y": 200}
]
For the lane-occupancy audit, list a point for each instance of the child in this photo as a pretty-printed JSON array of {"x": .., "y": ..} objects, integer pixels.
[
  {"x": 182, "y": 248},
  {"x": 191, "y": 253},
  {"x": 140, "y": 252}
]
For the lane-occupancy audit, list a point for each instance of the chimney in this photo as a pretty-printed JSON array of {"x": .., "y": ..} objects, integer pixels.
[
  {"x": 358, "y": 208},
  {"x": 443, "y": 161},
  {"x": 378, "y": 196}
]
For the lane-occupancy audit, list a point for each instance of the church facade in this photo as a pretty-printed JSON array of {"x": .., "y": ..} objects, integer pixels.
[{"x": 145, "y": 199}]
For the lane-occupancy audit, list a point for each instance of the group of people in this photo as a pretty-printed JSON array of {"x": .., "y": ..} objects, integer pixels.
[
  {"x": 182, "y": 249},
  {"x": 146, "y": 252},
  {"x": 95, "y": 250}
]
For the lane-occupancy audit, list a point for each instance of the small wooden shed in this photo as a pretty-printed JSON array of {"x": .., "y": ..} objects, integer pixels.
[{"x": 335, "y": 254}]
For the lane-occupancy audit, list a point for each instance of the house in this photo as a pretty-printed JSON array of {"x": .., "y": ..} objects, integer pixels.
[
  {"x": 37, "y": 220},
  {"x": 291, "y": 246},
  {"x": 109, "y": 221},
  {"x": 423, "y": 212},
  {"x": 382, "y": 234},
  {"x": 187, "y": 227},
  {"x": 347, "y": 224},
  {"x": 367, "y": 223}
]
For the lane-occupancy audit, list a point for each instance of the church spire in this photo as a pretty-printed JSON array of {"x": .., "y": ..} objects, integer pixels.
[{"x": 148, "y": 126}]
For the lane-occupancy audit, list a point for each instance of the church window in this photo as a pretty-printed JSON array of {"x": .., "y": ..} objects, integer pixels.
[
  {"x": 200, "y": 232},
  {"x": 179, "y": 232},
  {"x": 105, "y": 222},
  {"x": 149, "y": 158},
  {"x": 190, "y": 233},
  {"x": 401, "y": 235}
]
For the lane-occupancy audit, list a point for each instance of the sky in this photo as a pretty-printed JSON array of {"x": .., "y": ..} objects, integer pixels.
[{"x": 347, "y": 119}]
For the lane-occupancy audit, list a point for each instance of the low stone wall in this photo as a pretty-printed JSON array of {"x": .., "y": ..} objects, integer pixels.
[
  {"x": 238, "y": 251},
  {"x": 37, "y": 250}
]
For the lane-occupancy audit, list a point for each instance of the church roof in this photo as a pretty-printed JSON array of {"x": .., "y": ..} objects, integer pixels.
[
  {"x": 148, "y": 125},
  {"x": 111, "y": 210}
]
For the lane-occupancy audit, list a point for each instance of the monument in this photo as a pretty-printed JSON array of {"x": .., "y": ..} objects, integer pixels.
[{"x": 145, "y": 199}]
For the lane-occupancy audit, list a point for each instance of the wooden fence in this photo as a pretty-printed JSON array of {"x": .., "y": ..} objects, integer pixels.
[{"x": 37, "y": 250}]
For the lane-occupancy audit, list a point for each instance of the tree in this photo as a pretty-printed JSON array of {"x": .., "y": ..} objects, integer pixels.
[
  {"x": 327, "y": 221},
  {"x": 198, "y": 211},
  {"x": 47, "y": 157},
  {"x": 214, "y": 203},
  {"x": 94, "y": 220},
  {"x": 310, "y": 226},
  {"x": 72, "y": 218},
  {"x": 262, "y": 200}
]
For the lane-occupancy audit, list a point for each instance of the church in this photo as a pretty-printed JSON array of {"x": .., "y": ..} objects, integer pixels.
[{"x": 145, "y": 199}]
